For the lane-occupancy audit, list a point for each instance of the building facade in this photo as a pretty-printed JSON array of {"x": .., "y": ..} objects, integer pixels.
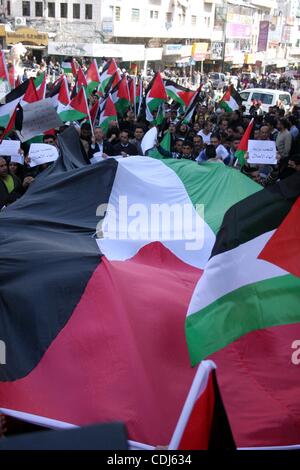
[{"x": 219, "y": 33}]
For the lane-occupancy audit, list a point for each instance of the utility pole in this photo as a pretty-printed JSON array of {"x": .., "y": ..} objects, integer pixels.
[{"x": 224, "y": 21}]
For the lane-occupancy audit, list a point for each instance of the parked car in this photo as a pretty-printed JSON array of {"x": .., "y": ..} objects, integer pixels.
[
  {"x": 267, "y": 97},
  {"x": 218, "y": 79}
]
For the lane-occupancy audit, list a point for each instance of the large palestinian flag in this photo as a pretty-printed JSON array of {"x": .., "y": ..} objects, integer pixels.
[
  {"x": 74, "y": 314},
  {"x": 71, "y": 314}
]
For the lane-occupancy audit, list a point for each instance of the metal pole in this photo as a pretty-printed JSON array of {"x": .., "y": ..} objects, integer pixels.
[{"x": 224, "y": 36}]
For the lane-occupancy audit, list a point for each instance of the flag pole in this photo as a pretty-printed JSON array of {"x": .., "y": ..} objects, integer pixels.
[{"x": 197, "y": 387}]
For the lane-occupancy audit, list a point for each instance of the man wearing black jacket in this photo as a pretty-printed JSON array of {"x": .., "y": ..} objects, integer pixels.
[
  {"x": 98, "y": 144},
  {"x": 124, "y": 147}
]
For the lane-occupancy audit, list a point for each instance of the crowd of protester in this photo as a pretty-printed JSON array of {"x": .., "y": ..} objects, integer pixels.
[{"x": 211, "y": 135}]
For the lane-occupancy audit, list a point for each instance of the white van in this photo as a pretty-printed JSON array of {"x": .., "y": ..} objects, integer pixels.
[{"x": 267, "y": 97}]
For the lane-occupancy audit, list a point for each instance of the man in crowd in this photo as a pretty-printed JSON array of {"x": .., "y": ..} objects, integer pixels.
[
  {"x": 138, "y": 137},
  {"x": 99, "y": 145},
  {"x": 124, "y": 147}
]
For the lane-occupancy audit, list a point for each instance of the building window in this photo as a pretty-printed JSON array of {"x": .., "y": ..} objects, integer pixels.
[
  {"x": 51, "y": 10},
  {"x": 76, "y": 11},
  {"x": 194, "y": 20},
  {"x": 207, "y": 7},
  {"x": 135, "y": 14},
  {"x": 89, "y": 12},
  {"x": 38, "y": 8},
  {"x": 26, "y": 8},
  {"x": 207, "y": 21},
  {"x": 181, "y": 19},
  {"x": 64, "y": 10},
  {"x": 154, "y": 14},
  {"x": 8, "y": 8}
]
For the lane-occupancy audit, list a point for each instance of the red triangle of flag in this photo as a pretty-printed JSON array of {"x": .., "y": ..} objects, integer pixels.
[
  {"x": 158, "y": 88},
  {"x": 109, "y": 109},
  {"x": 31, "y": 94},
  {"x": 79, "y": 102},
  {"x": 283, "y": 248},
  {"x": 123, "y": 91},
  {"x": 81, "y": 80},
  {"x": 243, "y": 145},
  {"x": 92, "y": 74},
  {"x": 3, "y": 68},
  {"x": 63, "y": 95}
]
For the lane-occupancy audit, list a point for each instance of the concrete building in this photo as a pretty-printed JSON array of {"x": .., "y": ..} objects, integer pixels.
[
  {"x": 230, "y": 33},
  {"x": 118, "y": 28}
]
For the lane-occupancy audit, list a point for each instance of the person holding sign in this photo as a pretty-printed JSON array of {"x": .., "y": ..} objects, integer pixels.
[
  {"x": 10, "y": 185},
  {"x": 99, "y": 146}
]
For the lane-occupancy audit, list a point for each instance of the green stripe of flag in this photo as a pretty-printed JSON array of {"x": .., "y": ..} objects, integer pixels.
[
  {"x": 263, "y": 304},
  {"x": 206, "y": 185}
]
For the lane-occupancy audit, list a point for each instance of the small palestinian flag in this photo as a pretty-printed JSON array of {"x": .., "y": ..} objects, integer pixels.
[
  {"x": 63, "y": 97},
  {"x": 231, "y": 100},
  {"x": 120, "y": 96},
  {"x": 14, "y": 97},
  {"x": 155, "y": 96},
  {"x": 178, "y": 93},
  {"x": 92, "y": 77},
  {"x": 4, "y": 77},
  {"x": 243, "y": 145},
  {"x": 252, "y": 279},
  {"x": 108, "y": 113},
  {"x": 77, "y": 108},
  {"x": 203, "y": 424},
  {"x": 67, "y": 67},
  {"x": 189, "y": 112},
  {"x": 94, "y": 111},
  {"x": 41, "y": 88},
  {"x": 109, "y": 72},
  {"x": 80, "y": 82}
]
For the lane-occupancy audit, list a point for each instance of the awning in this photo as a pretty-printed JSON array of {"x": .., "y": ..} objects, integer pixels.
[
  {"x": 32, "y": 46},
  {"x": 183, "y": 60}
]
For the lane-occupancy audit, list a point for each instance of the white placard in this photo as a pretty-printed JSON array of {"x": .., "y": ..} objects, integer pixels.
[
  {"x": 38, "y": 117},
  {"x": 9, "y": 147},
  {"x": 149, "y": 140},
  {"x": 42, "y": 153},
  {"x": 262, "y": 152},
  {"x": 17, "y": 159},
  {"x": 97, "y": 157}
]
